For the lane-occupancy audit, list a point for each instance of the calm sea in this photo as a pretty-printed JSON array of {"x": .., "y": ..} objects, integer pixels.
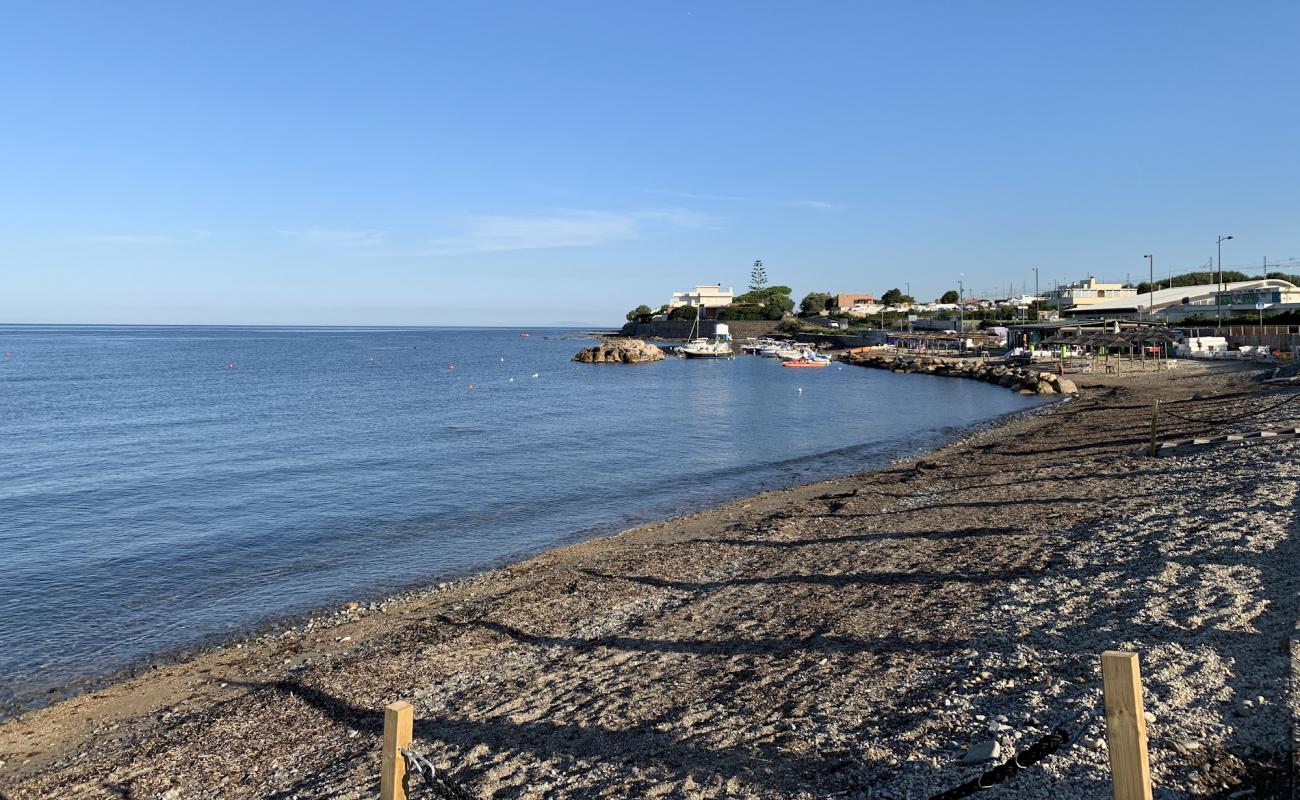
[{"x": 163, "y": 486}]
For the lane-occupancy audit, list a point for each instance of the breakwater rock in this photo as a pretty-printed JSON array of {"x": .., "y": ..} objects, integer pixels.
[
  {"x": 620, "y": 351},
  {"x": 1019, "y": 379}
]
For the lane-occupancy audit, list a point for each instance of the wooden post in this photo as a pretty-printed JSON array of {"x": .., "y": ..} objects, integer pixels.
[
  {"x": 1155, "y": 420},
  {"x": 398, "y": 721},
  {"x": 1126, "y": 727}
]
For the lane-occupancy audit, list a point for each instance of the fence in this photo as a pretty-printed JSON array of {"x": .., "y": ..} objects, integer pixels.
[
  {"x": 1210, "y": 420},
  {"x": 1126, "y": 738},
  {"x": 1276, "y": 337}
]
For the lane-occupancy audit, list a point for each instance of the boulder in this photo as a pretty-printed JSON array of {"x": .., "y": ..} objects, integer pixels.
[
  {"x": 1066, "y": 386},
  {"x": 620, "y": 351},
  {"x": 1045, "y": 388}
]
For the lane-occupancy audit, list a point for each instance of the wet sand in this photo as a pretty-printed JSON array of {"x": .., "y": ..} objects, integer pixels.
[{"x": 845, "y": 637}]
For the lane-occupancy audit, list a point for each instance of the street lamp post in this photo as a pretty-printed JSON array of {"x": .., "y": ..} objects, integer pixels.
[
  {"x": 1218, "y": 297},
  {"x": 1035, "y": 294},
  {"x": 1151, "y": 285}
]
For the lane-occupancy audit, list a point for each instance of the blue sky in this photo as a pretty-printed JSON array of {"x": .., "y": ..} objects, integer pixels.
[{"x": 440, "y": 163}]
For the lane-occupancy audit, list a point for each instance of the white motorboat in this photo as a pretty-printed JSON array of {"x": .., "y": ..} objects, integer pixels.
[{"x": 803, "y": 354}]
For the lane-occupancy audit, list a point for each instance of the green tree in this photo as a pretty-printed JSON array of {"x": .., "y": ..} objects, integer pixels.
[
  {"x": 950, "y": 296},
  {"x": 1193, "y": 279},
  {"x": 688, "y": 313},
  {"x": 894, "y": 297},
  {"x": 640, "y": 311},
  {"x": 742, "y": 311},
  {"x": 814, "y": 303},
  {"x": 757, "y": 277},
  {"x": 775, "y": 301}
]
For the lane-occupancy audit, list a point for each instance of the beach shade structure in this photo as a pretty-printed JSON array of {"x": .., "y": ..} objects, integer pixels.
[{"x": 1143, "y": 337}]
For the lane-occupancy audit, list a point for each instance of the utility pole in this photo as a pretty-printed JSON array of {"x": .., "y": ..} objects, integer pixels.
[
  {"x": 1151, "y": 285},
  {"x": 961, "y": 311},
  {"x": 1218, "y": 296}
]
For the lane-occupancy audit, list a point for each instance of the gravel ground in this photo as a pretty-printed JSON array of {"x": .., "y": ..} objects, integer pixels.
[{"x": 849, "y": 638}]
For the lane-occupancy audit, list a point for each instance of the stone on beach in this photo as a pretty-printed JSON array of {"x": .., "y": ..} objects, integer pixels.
[
  {"x": 1024, "y": 380},
  {"x": 984, "y": 751},
  {"x": 620, "y": 351}
]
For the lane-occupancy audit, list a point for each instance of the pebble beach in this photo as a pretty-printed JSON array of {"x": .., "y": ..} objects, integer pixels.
[{"x": 859, "y": 637}]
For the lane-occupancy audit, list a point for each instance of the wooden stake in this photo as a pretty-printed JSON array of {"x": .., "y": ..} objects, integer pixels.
[
  {"x": 399, "y": 718},
  {"x": 1155, "y": 419},
  {"x": 1126, "y": 727}
]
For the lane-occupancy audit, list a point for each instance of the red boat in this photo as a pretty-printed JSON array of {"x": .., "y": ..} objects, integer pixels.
[{"x": 804, "y": 363}]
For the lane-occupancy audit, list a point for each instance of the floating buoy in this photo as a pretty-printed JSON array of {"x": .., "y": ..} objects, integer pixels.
[
  {"x": 512, "y": 380},
  {"x": 799, "y": 390},
  {"x": 503, "y": 359},
  {"x": 451, "y": 366},
  {"x": 536, "y": 374},
  {"x": 231, "y": 365}
]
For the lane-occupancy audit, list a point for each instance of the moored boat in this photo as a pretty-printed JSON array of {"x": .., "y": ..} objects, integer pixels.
[{"x": 717, "y": 347}]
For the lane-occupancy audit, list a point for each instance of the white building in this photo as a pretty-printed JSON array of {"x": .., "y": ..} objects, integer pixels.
[
  {"x": 1204, "y": 300},
  {"x": 860, "y": 310},
  {"x": 1087, "y": 293},
  {"x": 704, "y": 296}
]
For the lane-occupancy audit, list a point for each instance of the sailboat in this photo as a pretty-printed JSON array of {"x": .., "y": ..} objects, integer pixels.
[{"x": 717, "y": 347}]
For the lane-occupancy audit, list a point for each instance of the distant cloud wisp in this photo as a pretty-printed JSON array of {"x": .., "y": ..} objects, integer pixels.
[
  {"x": 197, "y": 235},
  {"x": 703, "y": 196},
  {"x": 336, "y": 237},
  {"x": 816, "y": 205},
  {"x": 501, "y": 233}
]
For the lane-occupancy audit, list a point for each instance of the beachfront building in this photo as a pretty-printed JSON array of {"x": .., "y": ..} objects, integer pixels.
[
  {"x": 846, "y": 302},
  {"x": 707, "y": 296},
  {"x": 860, "y": 310},
  {"x": 1081, "y": 294},
  {"x": 1205, "y": 300}
]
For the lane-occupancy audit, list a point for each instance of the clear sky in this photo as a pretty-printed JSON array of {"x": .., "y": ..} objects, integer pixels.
[{"x": 537, "y": 162}]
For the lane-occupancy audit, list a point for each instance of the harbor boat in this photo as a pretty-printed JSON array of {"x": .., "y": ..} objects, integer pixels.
[
  {"x": 717, "y": 347},
  {"x": 762, "y": 346},
  {"x": 805, "y": 363},
  {"x": 802, "y": 354}
]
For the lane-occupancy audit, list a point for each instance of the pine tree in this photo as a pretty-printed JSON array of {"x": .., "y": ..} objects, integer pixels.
[{"x": 757, "y": 277}]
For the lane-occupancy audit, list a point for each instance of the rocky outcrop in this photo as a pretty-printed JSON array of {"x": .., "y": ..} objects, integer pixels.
[
  {"x": 620, "y": 351},
  {"x": 1018, "y": 379}
]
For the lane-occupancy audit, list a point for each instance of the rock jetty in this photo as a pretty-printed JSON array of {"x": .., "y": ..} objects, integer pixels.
[
  {"x": 1019, "y": 379},
  {"x": 620, "y": 351}
]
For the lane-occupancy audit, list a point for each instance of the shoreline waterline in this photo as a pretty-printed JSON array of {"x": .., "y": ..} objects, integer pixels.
[
  {"x": 886, "y": 614},
  {"x": 279, "y": 625}
]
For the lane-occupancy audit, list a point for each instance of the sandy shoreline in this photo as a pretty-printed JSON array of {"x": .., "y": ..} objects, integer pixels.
[{"x": 858, "y": 632}]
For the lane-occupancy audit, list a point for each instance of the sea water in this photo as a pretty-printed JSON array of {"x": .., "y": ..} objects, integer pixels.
[{"x": 162, "y": 487}]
